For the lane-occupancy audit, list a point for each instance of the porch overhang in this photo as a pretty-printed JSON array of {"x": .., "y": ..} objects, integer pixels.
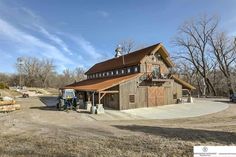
[{"x": 100, "y": 84}]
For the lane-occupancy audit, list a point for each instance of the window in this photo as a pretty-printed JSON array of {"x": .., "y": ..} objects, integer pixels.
[
  {"x": 128, "y": 70},
  {"x": 158, "y": 57},
  {"x": 132, "y": 98},
  {"x": 135, "y": 69},
  {"x": 112, "y": 73},
  {"x": 155, "y": 71},
  {"x": 175, "y": 96},
  {"x": 122, "y": 71},
  {"x": 103, "y": 74},
  {"x": 107, "y": 73},
  {"x": 117, "y": 72},
  {"x": 100, "y": 74},
  {"x": 97, "y": 75}
]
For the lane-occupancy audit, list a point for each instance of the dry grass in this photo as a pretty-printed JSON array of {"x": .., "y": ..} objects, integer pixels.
[
  {"x": 8, "y": 92},
  {"x": 42, "y": 132},
  {"x": 69, "y": 145}
]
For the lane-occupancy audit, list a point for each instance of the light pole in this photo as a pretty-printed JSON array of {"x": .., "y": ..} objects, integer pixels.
[{"x": 20, "y": 63}]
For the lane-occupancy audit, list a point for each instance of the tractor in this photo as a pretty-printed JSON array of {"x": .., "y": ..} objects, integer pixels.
[{"x": 67, "y": 100}]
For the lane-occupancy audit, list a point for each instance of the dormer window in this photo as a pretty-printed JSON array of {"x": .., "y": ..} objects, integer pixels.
[
  {"x": 158, "y": 57},
  {"x": 128, "y": 70}
]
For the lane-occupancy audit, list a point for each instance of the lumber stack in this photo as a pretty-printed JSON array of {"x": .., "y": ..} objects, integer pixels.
[{"x": 9, "y": 105}]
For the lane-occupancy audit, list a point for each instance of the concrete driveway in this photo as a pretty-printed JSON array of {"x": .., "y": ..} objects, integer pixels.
[{"x": 198, "y": 108}]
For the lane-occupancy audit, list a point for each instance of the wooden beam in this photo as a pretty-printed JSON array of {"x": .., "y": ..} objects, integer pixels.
[
  {"x": 9, "y": 102},
  {"x": 114, "y": 91},
  {"x": 103, "y": 94}
]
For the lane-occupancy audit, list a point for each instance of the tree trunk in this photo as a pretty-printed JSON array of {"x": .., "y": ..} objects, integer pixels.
[
  {"x": 230, "y": 86},
  {"x": 211, "y": 86}
]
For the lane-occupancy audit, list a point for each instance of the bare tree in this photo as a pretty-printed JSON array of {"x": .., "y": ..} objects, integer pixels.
[
  {"x": 29, "y": 69},
  {"x": 35, "y": 71},
  {"x": 46, "y": 69},
  {"x": 127, "y": 46},
  {"x": 224, "y": 50},
  {"x": 79, "y": 74},
  {"x": 193, "y": 38}
]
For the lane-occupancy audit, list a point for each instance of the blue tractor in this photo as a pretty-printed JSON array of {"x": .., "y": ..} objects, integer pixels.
[{"x": 67, "y": 100}]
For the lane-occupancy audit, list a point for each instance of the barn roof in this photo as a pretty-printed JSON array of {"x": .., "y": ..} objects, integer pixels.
[
  {"x": 100, "y": 84},
  {"x": 185, "y": 84},
  {"x": 130, "y": 59}
]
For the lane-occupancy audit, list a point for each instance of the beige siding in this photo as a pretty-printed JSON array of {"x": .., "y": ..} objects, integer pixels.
[
  {"x": 147, "y": 63},
  {"x": 178, "y": 88},
  {"x": 131, "y": 88}
]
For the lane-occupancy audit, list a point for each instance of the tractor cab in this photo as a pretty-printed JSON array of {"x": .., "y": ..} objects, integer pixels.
[{"x": 67, "y": 99}]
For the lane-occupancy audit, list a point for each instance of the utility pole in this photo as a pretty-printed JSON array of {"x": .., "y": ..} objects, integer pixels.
[{"x": 20, "y": 63}]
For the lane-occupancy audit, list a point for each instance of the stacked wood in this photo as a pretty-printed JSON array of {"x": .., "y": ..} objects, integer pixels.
[
  {"x": 9, "y": 102},
  {"x": 7, "y": 106}
]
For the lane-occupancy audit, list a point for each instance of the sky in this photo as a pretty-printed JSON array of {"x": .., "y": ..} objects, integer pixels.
[{"x": 80, "y": 33}]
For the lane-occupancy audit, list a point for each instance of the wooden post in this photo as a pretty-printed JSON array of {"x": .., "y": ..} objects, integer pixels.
[
  {"x": 99, "y": 101},
  {"x": 93, "y": 98},
  {"x": 88, "y": 94}
]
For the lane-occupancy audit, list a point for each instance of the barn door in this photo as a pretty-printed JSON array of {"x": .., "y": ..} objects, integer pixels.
[
  {"x": 155, "y": 96},
  {"x": 160, "y": 96},
  {"x": 151, "y": 96}
]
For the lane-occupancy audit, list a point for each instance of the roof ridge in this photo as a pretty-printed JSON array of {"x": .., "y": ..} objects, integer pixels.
[
  {"x": 130, "y": 58},
  {"x": 130, "y": 53}
]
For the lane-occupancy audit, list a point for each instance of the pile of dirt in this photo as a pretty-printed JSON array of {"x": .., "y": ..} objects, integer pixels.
[{"x": 41, "y": 91}]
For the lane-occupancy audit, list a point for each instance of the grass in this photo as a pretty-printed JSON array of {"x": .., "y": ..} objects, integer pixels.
[{"x": 93, "y": 146}]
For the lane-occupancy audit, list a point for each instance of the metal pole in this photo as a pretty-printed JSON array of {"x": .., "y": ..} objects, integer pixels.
[
  {"x": 20, "y": 63},
  {"x": 20, "y": 76}
]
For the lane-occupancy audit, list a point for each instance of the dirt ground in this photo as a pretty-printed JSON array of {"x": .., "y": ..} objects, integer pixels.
[{"x": 40, "y": 130}]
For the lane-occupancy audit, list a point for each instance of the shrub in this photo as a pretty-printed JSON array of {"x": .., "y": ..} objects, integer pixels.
[{"x": 3, "y": 86}]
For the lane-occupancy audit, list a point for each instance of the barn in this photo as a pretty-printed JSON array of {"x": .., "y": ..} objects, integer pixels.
[{"x": 138, "y": 79}]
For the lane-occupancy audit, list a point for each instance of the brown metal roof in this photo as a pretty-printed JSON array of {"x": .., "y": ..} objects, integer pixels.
[
  {"x": 130, "y": 59},
  {"x": 185, "y": 85},
  {"x": 101, "y": 83}
]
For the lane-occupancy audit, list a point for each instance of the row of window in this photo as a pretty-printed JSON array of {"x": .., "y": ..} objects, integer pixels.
[{"x": 123, "y": 71}]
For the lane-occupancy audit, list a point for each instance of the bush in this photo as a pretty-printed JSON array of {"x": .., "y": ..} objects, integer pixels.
[{"x": 3, "y": 86}]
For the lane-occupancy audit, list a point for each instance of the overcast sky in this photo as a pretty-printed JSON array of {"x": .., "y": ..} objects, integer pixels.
[{"x": 82, "y": 32}]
